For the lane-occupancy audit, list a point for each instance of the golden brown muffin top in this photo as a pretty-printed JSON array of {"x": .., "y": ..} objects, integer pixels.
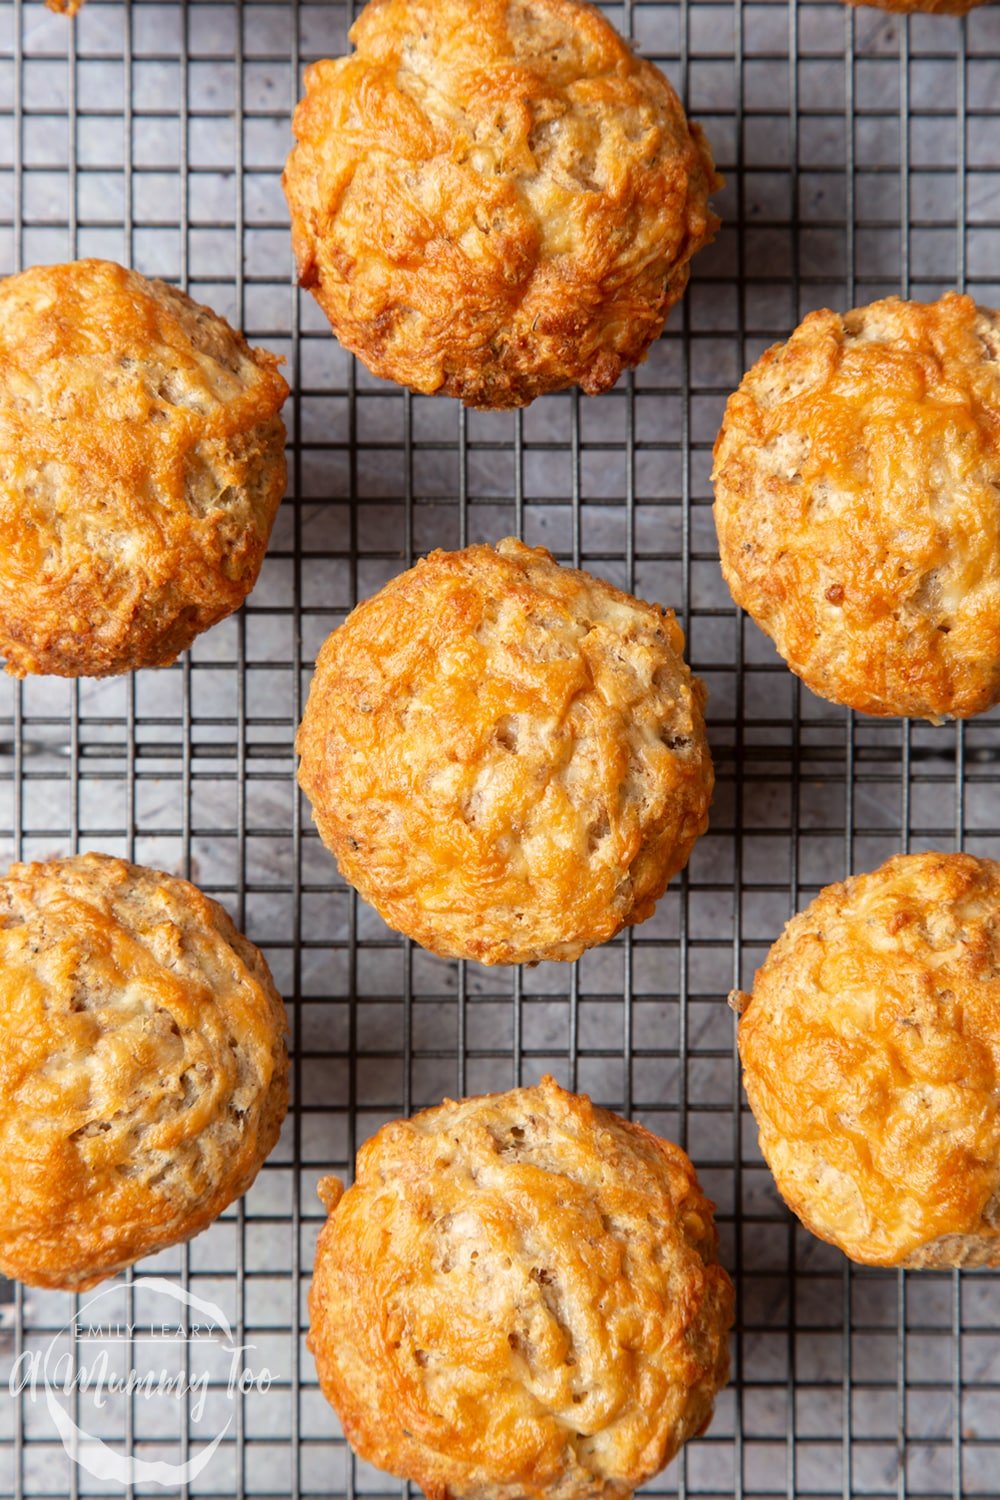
[
  {"x": 495, "y": 200},
  {"x": 143, "y": 1072},
  {"x": 871, "y": 1057},
  {"x": 856, "y": 479},
  {"x": 507, "y": 757},
  {"x": 141, "y": 466},
  {"x": 519, "y": 1297}
]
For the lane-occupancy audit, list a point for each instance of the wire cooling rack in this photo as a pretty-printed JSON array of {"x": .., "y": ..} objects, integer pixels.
[{"x": 862, "y": 154}]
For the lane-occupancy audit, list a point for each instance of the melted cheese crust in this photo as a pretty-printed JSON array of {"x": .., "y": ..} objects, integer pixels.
[
  {"x": 519, "y": 1298},
  {"x": 496, "y": 200},
  {"x": 141, "y": 468},
  {"x": 856, "y": 476},
  {"x": 143, "y": 1072},
  {"x": 871, "y": 1058},
  {"x": 508, "y": 758}
]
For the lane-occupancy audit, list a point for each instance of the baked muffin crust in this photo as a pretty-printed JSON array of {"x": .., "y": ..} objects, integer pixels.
[
  {"x": 497, "y": 200},
  {"x": 143, "y": 1071},
  {"x": 507, "y": 758},
  {"x": 519, "y": 1298},
  {"x": 871, "y": 1059},
  {"x": 141, "y": 468},
  {"x": 856, "y": 479}
]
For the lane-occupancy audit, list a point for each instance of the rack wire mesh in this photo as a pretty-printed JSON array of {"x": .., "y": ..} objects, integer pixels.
[{"x": 862, "y": 155}]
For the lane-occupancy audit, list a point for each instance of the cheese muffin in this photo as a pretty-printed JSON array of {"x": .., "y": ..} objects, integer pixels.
[
  {"x": 143, "y": 1071},
  {"x": 519, "y": 1298},
  {"x": 856, "y": 479},
  {"x": 141, "y": 467},
  {"x": 507, "y": 757},
  {"x": 871, "y": 1058},
  {"x": 496, "y": 200}
]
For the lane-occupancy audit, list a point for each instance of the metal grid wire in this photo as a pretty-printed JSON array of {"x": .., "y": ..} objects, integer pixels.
[{"x": 862, "y": 155}]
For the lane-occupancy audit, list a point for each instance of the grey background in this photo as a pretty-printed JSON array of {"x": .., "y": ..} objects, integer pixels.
[{"x": 862, "y": 157}]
